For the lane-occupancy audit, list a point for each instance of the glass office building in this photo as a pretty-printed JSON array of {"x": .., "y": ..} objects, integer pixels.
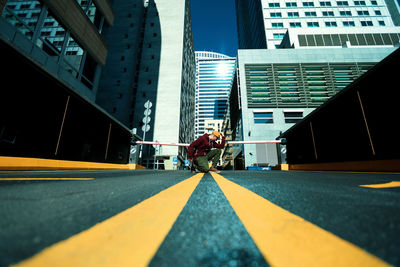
[{"x": 214, "y": 76}]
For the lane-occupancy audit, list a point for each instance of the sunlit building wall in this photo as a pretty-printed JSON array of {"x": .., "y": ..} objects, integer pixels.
[
  {"x": 166, "y": 77},
  {"x": 323, "y": 16},
  {"x": 280, "y": 87}
]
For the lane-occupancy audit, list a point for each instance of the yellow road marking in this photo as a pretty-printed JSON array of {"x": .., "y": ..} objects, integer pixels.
[
  {"x": 385, "y": 185},
  {"x": 130, "y": 238},
  {"x": 286, "y": 239},
  {"x": 43, "y": 179}
]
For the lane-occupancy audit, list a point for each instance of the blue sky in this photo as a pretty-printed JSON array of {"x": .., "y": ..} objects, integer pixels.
[{"x": 214, "y": 26}]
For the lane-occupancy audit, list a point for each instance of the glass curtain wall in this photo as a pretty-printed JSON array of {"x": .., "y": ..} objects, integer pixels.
[{"x": 35, "y": 21}]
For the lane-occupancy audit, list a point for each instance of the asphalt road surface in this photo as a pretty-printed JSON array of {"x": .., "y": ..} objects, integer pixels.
[{"x": 176, "y": 218}]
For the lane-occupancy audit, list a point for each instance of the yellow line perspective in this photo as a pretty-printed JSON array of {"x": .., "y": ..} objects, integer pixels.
[
  {"x": 45, "y": 179},
  {"x": 130, "y": 238},
  {"x": 285, "y": 239},
  {"x": 385, "y": 185}
]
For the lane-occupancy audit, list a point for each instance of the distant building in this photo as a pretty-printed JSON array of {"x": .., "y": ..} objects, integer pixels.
[{"x": 214, "y": 77}]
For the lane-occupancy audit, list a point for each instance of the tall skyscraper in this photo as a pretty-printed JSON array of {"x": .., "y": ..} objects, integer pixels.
[
  {"x": 250, "y": 24},
  {"x": 214, "y": 75},
  {"x": 152, "y": 56}
]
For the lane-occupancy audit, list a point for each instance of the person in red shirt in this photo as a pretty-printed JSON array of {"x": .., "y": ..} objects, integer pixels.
[{"x": 201, "y": 151}]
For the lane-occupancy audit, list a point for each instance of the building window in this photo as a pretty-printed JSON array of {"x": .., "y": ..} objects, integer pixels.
[
  {"x": 277, "y": 25},
  {"x": 295, "y": 24},
  {"x": 325, "y": 3},
  {"x": 381, "y": 23},
  {"x": 311, "y": 14},
  {"x": 278, "y": 35},
  {"x": 291, "y": 4},
  {"x": 359, "y": 3},
  {"x": 308, "y": 4},
  {"x": 276, "y": 15},
  {"x": 342, "y": 3},
  {"x": 312, "y": 24},
  {"x": 345, "y": 13},
  {"x": 293, "y": 14},
  {"x": 293, "y": 116},
  {"x": 378, "y": 13},
  {"x": 274, "y": 5},
  {"x": 263, "y": 117},
  {"x": 328, "y": 13},
  {"x": 349, "y": 24},
  {"x": 330, "y": 24},
  {"x": 367, "y": 23},
  {"x": 363, "y": 13},
  {"x": 374, "y": 3}
]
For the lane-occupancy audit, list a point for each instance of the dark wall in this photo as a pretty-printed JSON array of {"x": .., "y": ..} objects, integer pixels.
[
  {"x": 40, "y": 117},
  {"x": 359, "y": 123}
]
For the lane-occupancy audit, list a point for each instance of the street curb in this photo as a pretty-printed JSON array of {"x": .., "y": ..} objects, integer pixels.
[{"x": 18, "y": 163}]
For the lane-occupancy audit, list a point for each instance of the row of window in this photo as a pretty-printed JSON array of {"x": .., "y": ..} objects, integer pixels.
[
  {"x": 331, "y": 13},
  {"x": 354, "y": 39},
  {"x": 267, "y": 117},
  {"x": 309, "y": 14},
  {"x": 322, "y": 3},
  {"x": 350, "y": 23}
]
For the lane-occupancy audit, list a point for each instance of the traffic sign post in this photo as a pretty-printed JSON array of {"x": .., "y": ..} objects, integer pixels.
[{"x": 146, "y": 120}]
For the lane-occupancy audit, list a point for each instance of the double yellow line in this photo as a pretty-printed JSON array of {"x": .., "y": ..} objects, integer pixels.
[{"x": 132, "y": 237}]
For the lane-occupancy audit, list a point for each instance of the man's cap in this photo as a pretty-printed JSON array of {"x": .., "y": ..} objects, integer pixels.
[{"x": 217, "y": 134}]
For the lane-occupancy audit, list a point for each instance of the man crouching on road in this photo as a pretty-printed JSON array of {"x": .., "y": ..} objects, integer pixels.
[{"x": 201, "y": 151}]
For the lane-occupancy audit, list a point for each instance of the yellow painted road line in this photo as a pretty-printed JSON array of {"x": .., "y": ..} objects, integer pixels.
[
  {"x": 286, "y": 239},
  {"x": 385, "y": 185},
  {"x": 45, "y": 179},
  {"x": 130, "y": 238}
]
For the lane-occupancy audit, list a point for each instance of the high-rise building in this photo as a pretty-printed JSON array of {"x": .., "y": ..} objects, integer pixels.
[
  {"x": 250, "y": 24},
  {"x": 324, "y": 16},
  {"x": 119, "y": 78},
  {"x": 214, "y": 77},
  {"x": 313, "y": 49},
  {"x": 152, "y": 59}
]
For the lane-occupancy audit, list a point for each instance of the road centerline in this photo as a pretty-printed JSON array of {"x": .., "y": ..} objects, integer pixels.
[
  {"x": 45, "y": 179},
  {"x": 286, "y": 239},
  {"x": 384, "y": 185},
  {"x": 130, "y": 238}
]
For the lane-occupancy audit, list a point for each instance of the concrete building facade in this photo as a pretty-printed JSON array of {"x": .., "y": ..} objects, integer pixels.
[
  {"x": 279, "y": 87},
  {"x": 327, "y": 16},
  {"x": 154, "y": 62}
]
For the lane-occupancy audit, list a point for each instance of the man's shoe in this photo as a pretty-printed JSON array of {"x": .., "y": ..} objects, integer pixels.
[{"x": 212, "y": 169}]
